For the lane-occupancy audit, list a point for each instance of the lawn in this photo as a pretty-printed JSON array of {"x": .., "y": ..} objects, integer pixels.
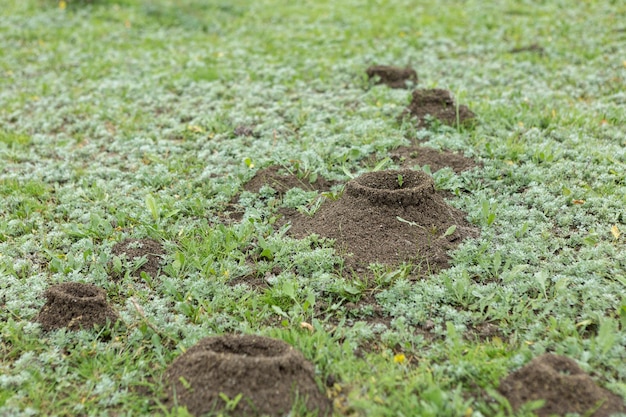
[{"x": 134, "y": 124}]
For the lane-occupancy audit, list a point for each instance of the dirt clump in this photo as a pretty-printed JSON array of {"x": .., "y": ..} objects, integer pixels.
[
  {"x": 439, "y": 104},
  {"x": 268, "y": 373},
  {"x": 563, "y": 385},
  {"x": 388, "y": 217},
  {"x": 394, "y": 77},
  {"x": 75, "y": 305},
  {"x": 410, "y": 156},
  {"x": 133, "y": 249}
]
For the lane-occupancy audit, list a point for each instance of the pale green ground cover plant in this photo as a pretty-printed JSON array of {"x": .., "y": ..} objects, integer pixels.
[{"x": 117, "y": 120}]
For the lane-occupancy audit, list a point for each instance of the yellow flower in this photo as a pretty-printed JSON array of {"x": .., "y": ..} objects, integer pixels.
[
  {"x": 399, "y": 358},
  {"x": 62, "y": 5}
]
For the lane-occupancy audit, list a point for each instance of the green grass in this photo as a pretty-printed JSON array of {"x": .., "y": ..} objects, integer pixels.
[{"x": 117, "y": 121}]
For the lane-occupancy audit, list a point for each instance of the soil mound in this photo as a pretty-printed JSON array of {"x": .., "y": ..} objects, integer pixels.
[
  {"x": 389, "y": 217},
  {"x": 283, "y": 182},
  {"x": 394, "y": 77},
  {"x": 136, "y": 248},
  {"x": 279, "y": 181},
  {"x": 409, "y": 156},
  {"x": 439, "y": 104},
  {"x": 75, "y": 305},
  {"x": 269, "y": 373},
  {"x": 563, "y": 385}
]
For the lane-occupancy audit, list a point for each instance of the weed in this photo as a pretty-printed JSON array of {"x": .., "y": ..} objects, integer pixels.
[
  {"x": 312, "y": 209},
  {"x": 230, "y": 403},
  {"x": 488, "y": 214},
  {"x": 400, "y": 181}
]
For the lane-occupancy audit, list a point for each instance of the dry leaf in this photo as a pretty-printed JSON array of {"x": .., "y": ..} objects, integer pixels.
[
  {"x": 615, "y": 232},
  {"x": 578, "y": 201},
  {"x": 307, "y": 326}
]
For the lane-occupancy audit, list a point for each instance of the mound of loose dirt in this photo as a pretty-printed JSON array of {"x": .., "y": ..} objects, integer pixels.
[
  {"x": 279, "y": 181},
  {"x": 394, "y": 77},
  {"x": 389, "y": 217},
  {"x": 269, "y": 374},
  {"x": 563, "y": 385},
  {"x": 136, "y": 248},
  {"x": 283, "y": 182},
  {"x": 439, "y": 104},
  {"x": 409, "y": 156},
  {"x": 75, "y": 305}
]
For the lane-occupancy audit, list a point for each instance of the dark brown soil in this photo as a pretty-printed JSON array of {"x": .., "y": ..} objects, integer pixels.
[
  {"x": 253, "y": 281},
  {"x": 244, "y": 130},
  {"x": 409, "y": 156},
  {"x": 233, "y": 212},
  {"x": 279, "y": 181},
  {"x": 484, "y": 332},
  {"x": 379, "y": 220},
  {"x": 137, "y": 248},
  {"x": 394, "y": 77},
  {"x": 439, "y": 104},
  {"x": 269, "y": 373},
  {"x": 283, "y": 182},
  {"x": 75, "y": 305},
  {"x": 366, "y": 309},
  {"x": 536, "y": 48},
  {"x": 563, "y": 385}
]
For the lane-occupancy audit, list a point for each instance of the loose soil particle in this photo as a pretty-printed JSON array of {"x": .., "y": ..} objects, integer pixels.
[
  {"x": 75, "y": 305},
  {"x": 439, "y": 104},
  {"x": 394, "y": 77},
  {"x": 563, "y": 385},
  {"x": 269, "y": 373},
  {"x": 379, "y": 220},
  {"x": 136, "y": 248}
]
